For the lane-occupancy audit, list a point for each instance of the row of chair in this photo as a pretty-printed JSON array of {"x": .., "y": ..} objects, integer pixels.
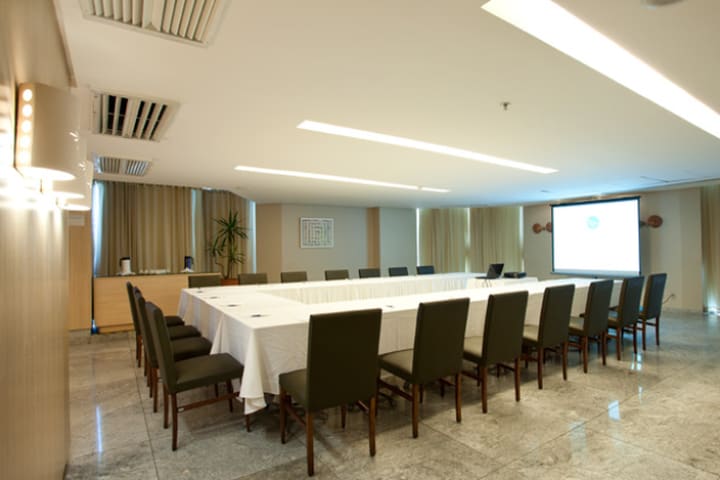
[
  {"x": 343, "y": 364},
  {"x": 197, "y": 281},
  {"x": 182, "y": 357}
]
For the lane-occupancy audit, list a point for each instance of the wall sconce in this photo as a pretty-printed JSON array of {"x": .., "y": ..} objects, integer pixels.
[
  {"x": 653, "y": 221},
  {"x": 537, "y": 228},
  {"x": 83, "y": 183},
  {"x": 44, "y": 144}
]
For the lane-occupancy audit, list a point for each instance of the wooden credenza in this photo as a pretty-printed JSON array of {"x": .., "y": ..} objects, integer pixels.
[{"x": 111, "y": 308}]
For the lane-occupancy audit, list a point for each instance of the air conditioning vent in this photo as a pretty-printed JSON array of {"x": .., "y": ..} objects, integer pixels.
[
  {"x": 121, "y": 166},
  {"x": 187, "y": 20},
  {"x": 131, "y": 117}
]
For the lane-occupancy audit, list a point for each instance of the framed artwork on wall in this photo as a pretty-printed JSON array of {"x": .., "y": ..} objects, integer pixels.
[{"x": 317, "y": 232}]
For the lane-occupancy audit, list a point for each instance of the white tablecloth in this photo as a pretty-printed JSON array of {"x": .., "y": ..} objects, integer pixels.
[{"x": 265, "y": 326}]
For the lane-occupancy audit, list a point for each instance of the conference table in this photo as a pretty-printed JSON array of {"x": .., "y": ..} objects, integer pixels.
[{"x": 266, "y": 326}]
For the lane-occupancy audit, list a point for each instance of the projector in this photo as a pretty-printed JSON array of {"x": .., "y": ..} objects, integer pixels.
[{"x": 515, "y": 274}]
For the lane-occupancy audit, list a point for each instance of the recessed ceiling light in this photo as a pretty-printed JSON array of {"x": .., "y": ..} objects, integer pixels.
[
  {"x": 418, "y": 145},
  {"x": 335, "y": 178},
  {"x": 560, "y": 29}
]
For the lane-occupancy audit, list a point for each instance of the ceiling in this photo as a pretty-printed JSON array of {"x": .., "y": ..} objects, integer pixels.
[{"x": 422, "y": 69}]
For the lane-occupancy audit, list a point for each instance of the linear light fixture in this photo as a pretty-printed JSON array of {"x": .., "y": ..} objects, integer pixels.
[
  {"x": 335, "y": 178},
  {"x": 560, "y": 29},
  {"x": 418, "y": 145}
]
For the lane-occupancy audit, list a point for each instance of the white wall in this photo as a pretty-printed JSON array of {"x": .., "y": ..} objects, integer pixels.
[
  {"x": 364, "y": 237},
  {"x": 674, "y": 248},
  {"x": 398, "y": 232}
]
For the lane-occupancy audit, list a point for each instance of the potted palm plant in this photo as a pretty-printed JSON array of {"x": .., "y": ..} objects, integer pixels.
[{"x": 225, "y": 248}]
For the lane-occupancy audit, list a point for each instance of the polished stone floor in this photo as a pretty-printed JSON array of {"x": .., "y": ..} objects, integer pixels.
[{"x": 653, "y": 416}]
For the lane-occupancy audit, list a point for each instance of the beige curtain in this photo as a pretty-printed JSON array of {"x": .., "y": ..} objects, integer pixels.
[
  {"x": 710, "y": 207},
  {"x": 496, "y": 237},
  {"x": 149, "y": 223},
  {"x": 443, "y": 238},
  {"x": 216, "y": 204}
]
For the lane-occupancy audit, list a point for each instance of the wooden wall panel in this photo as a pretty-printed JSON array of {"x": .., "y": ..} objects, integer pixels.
[{"x": 80, "y": 275}]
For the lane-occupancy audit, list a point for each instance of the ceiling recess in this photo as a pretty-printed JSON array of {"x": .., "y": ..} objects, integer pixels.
[
  {"x": 131, "y": 117},
  {"x": 187, "y": 20},
  {"x": 121, "y": 166}
]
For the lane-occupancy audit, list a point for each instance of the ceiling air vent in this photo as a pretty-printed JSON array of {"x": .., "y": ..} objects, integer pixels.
[
  {"x": 121, "y": 166},
  {"x": 186, "y": 20},
  {"x": 131, "y": 117}
]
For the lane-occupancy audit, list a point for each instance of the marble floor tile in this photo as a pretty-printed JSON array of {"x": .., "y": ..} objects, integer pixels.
[{"x": 651, "y": 415}]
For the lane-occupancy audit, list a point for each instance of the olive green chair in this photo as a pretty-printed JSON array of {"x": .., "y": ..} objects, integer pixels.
[
  {"x": 625, "y": 317},
  {"x": 501, "y": 340},
  {"x": 198, "y": 281},
  {"x": 291, "y": 277},
  {"x": 342, "y": 365},
  {"x": 593, "y": 323},
  {"x": 252, "y": 278},
  {"x": 185, "y": 375},
  {"x": 183, "y": 348},
  {"x": 337, "y": 274},
  {"x": 369, "y": 272},
  {"x": 652, "y": 306},
  {"x": 398, "y": 271},
  {"x": 437, "y": 353},
  {"x": 552, "y": 330},
  {"x": 172, "y": 321},
  {"x": 425, "y": 269}
]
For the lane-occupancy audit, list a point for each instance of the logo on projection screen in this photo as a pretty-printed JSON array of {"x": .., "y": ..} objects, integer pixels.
[{"x": 593, "y": 222}]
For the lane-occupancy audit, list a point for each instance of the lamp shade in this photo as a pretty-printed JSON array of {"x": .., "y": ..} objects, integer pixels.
[{"x": 46, "y": 132}]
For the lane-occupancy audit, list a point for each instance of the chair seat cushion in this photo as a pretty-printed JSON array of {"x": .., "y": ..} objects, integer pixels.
[
  {"x": 398, "y": 363},
  {"x": 613, "y": 319},
  {"x": 473, "y": 349},
  {"x": 189, "y": 347},
  {"x": 173, "y": 320},
  {"x": 577, "y": 325},
  {"x": 531, "y": 334},
  {"x": 206, "y": 370},
  {"x": 295, "y": 384},
  {"x": 182, "y": 331}
]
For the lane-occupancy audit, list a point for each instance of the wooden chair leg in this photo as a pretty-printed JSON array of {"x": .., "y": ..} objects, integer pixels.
[
  {"x": 634, "y": 334},
  {"x": 165, "y": 407},
  {"x": 482, "y": 377},
  {"x": 564, "y": 359},
  {"x": 283, "y": 414},
  {"x": 517, "y": 379},
  {"x": 458, "y": 398},
  {"x": 343, "y": 415},
  {"x": 541, "y": 360},
  {"x": 415, "y": 409},
  {"x": 229, "y": 386},
  {"x": 657, "y": 330},
  {"x": 309, "y": 444},
  {"x": 138, "y": 350},
  {"x": 643, "y": 331},
  {"x": 154, "y": 387},
  {"x": 584, "y": 346},
  {"x": 174, "y": 421},
  {"x": 247, "y": 422},
  {"x": 603, "y": 341},
  {"x": 371, "y": 424}
]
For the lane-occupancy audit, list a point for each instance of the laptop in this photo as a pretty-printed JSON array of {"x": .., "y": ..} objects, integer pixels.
[{"x": 494, "y": 271}]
